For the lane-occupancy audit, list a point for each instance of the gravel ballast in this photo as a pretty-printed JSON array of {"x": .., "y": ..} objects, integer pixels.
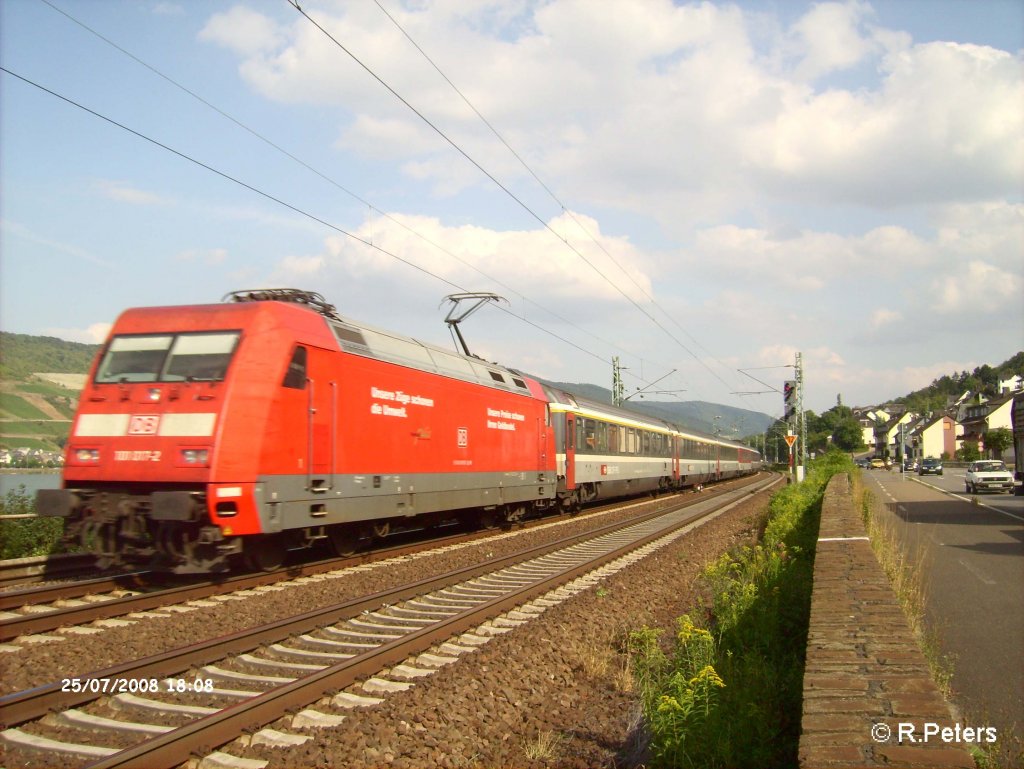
[{"x": 554, "y": 692}]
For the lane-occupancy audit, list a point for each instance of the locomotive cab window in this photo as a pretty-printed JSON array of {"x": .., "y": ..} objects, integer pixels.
[
  {"x": 295, "y": 376},
  {"x": 134, "y": 358},
  {"x": 167, "y": 357},
  {"x": 203, "y": 357}
]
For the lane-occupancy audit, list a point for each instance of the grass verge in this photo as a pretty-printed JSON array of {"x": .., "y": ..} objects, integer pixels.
[{"x": 727, "y": 690}]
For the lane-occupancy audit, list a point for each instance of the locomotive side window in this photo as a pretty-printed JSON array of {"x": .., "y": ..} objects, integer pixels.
[
  {"x": 295, "y": 376},
  {"x": 349, "y": 336}
]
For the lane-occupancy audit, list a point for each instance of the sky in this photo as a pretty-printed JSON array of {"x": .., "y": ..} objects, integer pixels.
[{"x": 702, "y": 190}]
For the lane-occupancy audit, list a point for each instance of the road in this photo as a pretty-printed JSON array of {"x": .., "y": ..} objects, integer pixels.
[{"x": 971, "y": 555}]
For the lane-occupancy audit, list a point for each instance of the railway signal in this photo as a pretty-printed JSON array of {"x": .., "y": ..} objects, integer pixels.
[{"x": 789, "y": 399}]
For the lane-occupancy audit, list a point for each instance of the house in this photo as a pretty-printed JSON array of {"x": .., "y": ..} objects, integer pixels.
[
  {"x": 866, "y": 419},
  {"x": 887, "y": 435},
  {"x": 937, "y": 436},
  {"x": 1014, "y": 384},
  {"x": 980, "y": 417}
]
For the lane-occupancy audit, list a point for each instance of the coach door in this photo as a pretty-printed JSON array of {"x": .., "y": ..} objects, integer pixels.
[
  {"x": 570, "y": 451},
  {"x": 676, "y": 443}
]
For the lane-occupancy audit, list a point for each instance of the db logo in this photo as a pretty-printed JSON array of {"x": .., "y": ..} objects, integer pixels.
[{"x": 144, "y": 424}]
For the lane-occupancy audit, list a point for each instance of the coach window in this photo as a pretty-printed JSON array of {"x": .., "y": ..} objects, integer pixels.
[{"x": 295, "y": 376}]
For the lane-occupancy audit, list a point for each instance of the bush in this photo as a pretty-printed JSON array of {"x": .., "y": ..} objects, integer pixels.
[
  {"x": 26, "y": 537},
  {"x": 969, "y": 453}
]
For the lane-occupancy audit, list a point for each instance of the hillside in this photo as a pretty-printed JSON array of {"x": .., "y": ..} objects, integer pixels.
[
  {"x": 947, "y": 388},
  {"x": 697, "y": 415},
  {"x": 22, "y": 355},
  {"x": 36, "y": 408}
]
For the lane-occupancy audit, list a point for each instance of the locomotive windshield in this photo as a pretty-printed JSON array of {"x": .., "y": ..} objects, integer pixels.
[{"x": 168, "y": 357}]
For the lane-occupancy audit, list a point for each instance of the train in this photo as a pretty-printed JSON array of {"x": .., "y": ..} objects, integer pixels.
[{"x": 216, "y": 433}]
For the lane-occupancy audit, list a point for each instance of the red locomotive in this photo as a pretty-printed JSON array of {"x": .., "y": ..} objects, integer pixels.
[{"x": 268, "y": 422}]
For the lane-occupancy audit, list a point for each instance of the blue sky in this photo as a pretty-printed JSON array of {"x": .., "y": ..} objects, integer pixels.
[{"x": 701, "y": 188}]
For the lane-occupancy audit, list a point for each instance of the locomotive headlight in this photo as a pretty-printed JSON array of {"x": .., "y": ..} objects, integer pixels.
[
  {"x": 87, "y": 455},
  {"x": 154, "y": 394},
  {"x": 195, "y": 456}
]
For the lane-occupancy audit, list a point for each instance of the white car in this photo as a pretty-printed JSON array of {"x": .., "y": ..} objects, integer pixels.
[{"x": 988, "y": 475}]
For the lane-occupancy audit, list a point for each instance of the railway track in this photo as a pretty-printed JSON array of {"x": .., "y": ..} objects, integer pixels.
[
  {"x": 45, "y": 608},
  {"x": 20, "y": 571},
  {"x": 319, "y": 663}
]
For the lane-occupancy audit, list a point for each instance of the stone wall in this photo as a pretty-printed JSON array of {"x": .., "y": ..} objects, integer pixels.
[{"x": 868, "y": 693}]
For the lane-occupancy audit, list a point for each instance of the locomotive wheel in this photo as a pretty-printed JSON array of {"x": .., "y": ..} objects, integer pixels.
[
  {"x": 264, "y": 553},
  {"x": 512, "y": 515},
  {"x": 346, "y": 539}
]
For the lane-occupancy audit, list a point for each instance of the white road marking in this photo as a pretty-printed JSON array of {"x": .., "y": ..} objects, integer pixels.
[{"x": 977, "y": 572}]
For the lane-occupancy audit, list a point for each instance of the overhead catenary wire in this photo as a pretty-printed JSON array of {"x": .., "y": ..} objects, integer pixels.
[
  {"x": 568, "y": 211},
  {"x": 257, "y": 135},
  {"x": 501, "y": 186},
  {"x": 280, "y": 202}
]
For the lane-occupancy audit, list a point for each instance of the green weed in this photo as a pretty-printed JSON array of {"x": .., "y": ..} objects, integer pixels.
[{"x": 730, "y": 694}]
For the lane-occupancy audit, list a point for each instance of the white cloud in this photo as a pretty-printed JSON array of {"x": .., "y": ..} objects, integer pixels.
[
  {"x": 421, "y": 250},
  {"x": 96, "y": 333},
  {"x": 883, "y": 317},
  {"x": 168, "y": 9},
  {"x": 125, "y": 192},
  {"x": 22, "y": 232},
  {"x": 656, "y": 108},
  {"x": 243, "y": 30},
  {"x": 980, "y": 289},
  {"x": 209, "y": 256},
  {"x": 301, "y": 266},
  {"x": 829, "y": 38}
]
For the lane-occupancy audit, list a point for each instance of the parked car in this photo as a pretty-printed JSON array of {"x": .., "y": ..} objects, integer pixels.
[
  {"x": 930, "y": 466},
  {"x": 988, "y": 475}
]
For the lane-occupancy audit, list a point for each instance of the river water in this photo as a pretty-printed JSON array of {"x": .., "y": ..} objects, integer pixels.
[{"x": 31, "y": 481}]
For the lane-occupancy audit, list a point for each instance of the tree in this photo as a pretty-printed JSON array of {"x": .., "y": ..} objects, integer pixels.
[
  {"x": 847, "y": 435},
  {"x": 837, "y": 427},
  {"x": 968, "y": 453},
  {"x": 997, "y": 441}
]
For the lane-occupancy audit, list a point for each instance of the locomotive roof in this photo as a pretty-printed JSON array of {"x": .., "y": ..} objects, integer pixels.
[{"x": 362, "y": 339}]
